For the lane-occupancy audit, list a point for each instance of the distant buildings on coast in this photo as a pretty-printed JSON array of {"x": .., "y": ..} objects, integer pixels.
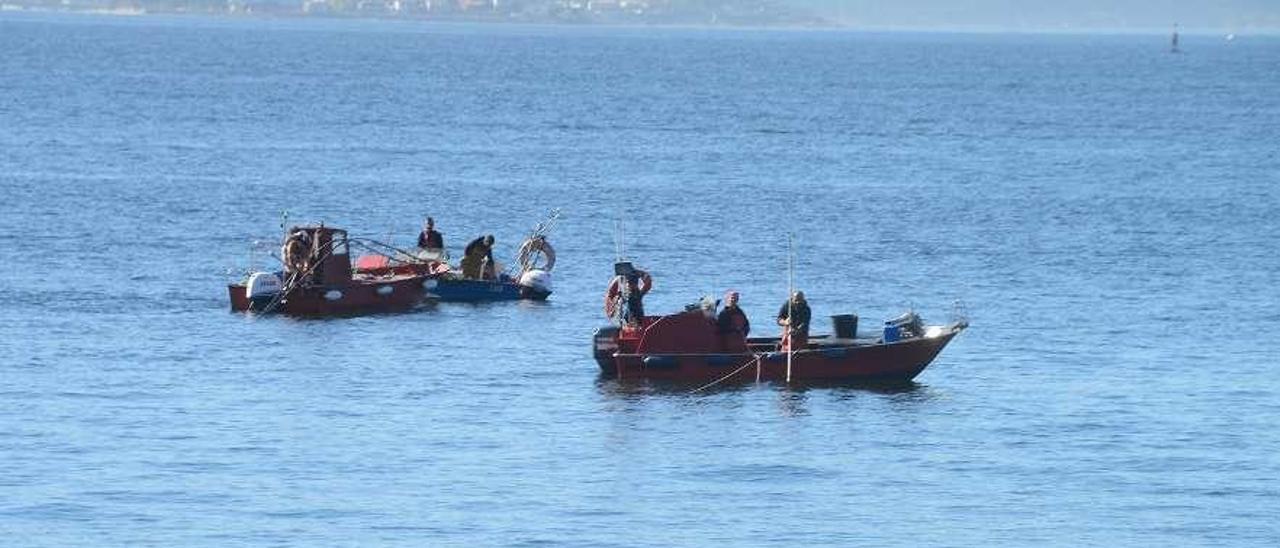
[{"x": 677, "y": 12}]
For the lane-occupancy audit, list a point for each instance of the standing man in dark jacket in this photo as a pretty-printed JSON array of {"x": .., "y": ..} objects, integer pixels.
[
  {"x": 430, "y": 238},
  {"x": 794, "y": 316},
  {"x": 732, "y": 321}
]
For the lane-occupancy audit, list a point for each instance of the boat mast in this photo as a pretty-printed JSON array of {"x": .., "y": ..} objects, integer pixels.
[{"x": 617, "y": 241}]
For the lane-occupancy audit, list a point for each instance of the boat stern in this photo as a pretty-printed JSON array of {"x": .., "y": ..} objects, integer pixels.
[
  {"x": 604, "y": 344},
  {"x": 239, "y": 297}
]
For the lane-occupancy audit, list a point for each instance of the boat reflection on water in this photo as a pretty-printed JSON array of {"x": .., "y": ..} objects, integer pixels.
[
  {"x": 612, "y": 387},
  {"x": 794, "y": 400},
  {"x": 609, "y": 385}
]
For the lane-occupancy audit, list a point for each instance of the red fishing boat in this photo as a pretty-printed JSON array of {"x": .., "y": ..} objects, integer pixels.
[
  {"x": 689, "y": 346},
  {"x": 318, "y": 280}
]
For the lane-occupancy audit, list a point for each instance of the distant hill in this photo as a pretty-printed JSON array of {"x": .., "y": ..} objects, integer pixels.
[{"x": 1049, "y": 14}]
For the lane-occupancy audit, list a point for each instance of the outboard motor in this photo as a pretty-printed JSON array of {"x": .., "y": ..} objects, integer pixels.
[
  {"x": 907, "y": 326},
  {"x": 535, "y": 284},
  {"x": 261, "y": 289}
]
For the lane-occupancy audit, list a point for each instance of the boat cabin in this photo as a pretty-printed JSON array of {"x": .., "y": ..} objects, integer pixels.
[{"x": 320, "y": 252}]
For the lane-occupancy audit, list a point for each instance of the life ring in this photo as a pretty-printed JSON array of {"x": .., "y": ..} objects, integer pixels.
[
  {"x": 613, "y": 298},
  {"x": 613, "y": 295},
  {"x": 531, "y": 249}
]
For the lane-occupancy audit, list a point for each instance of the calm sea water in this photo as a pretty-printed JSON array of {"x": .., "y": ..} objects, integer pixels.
[{"x": 1106, "y": 210}]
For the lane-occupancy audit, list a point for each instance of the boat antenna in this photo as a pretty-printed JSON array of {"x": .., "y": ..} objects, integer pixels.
[
  {"x": 960, "y": 312},
  {"x": 791, "y": 292},
  {"x": 617, "y": 240}
]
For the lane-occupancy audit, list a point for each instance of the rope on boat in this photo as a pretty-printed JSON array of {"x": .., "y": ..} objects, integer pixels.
[
  {"x": 539, "y": 231},
  {"x": 387, "y": 250},
  {"x": 730, "y": 375},
  {"x": 295, "y": 279},
  {"x": 533, "y": 247}
]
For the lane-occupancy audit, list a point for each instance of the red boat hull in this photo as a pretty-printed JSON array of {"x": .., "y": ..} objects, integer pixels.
[
  {"x": 358, "y": 297},
  {"x": 686, "y": 347},
  {"x": 899, "y": 361}
]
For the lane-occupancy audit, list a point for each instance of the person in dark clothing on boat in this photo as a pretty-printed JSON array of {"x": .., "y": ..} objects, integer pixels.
[
  {"x": 794, "y": 316},
  {"x": 296, "y": 253},
  {"x": 625, "y": 298},
  {"x": 732, "y": 321},
  {"x": 477, "y": 259},
  {"x": 633, "y": 296},
  {"x": 430, "y": 238}
]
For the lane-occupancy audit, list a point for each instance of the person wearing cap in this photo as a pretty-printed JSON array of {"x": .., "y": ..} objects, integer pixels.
[
  {"x": 296, "y": 252},
  {"x": 624, "y": 301},
  {"x": 634, "y": 289},
  {"x": 794, "y": 316},
  {"x": 430, "y": 238},
  {"x": 732, "y": 322},
  {"x": 477, "y": 259}
]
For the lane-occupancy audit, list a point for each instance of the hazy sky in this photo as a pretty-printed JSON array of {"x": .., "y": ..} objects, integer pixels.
[{"x": 1053, "y": 14}]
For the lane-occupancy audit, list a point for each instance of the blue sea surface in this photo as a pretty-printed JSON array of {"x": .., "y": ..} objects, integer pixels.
[{"x": 1106, "y": 211}]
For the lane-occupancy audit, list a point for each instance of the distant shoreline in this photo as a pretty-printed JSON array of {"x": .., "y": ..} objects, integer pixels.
[{"x": 825, "y": 26}]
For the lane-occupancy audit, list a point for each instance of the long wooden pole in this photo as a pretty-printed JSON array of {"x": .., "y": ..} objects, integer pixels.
[{"x": 791, "y": 296}]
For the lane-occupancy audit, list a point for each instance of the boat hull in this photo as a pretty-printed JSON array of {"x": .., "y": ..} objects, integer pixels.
[
  {"x": 445, "y": 287},
  {"x": 389, "y": 295},
  {"x": 899, "y": 361},
  {"x": 476, "y": 291}
]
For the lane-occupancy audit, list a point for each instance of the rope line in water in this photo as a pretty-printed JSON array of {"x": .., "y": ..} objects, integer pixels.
[{"x": 727, "y": 377}]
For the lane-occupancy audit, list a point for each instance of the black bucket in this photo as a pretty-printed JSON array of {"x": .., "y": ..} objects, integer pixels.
[{"x": 845, "y": 325}]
